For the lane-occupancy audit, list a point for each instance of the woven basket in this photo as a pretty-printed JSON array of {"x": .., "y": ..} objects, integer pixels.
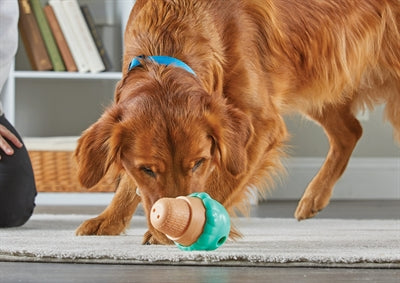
[{"x": 55, "y": 171}]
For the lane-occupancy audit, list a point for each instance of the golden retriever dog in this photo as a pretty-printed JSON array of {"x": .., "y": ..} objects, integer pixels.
[{"x": 210, "y": 118}]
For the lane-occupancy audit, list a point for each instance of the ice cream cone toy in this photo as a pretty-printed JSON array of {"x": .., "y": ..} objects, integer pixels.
[{"x": 195, "y": 222}]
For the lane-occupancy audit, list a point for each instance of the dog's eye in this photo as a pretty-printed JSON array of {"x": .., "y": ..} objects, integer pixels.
[
  {"x": 197, "y": 164},
  {"x": 148, "y": 171}
]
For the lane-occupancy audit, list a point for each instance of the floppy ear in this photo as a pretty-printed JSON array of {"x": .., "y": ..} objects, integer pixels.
[
  {"x": 231, "y": 133},
  {"x": 97, "y": 149}
]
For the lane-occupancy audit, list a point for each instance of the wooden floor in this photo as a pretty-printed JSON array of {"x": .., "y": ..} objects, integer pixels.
[{"x": 46, "y": 272}]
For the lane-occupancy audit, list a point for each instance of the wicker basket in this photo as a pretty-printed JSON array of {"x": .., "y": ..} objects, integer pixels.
[{"x": 55, "y": 168}]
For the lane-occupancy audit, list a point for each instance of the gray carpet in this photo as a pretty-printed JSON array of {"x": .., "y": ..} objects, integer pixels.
[{"x": 266, "y": 242}]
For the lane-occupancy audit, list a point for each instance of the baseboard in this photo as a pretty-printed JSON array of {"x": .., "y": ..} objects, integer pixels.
[
  {"x": 58, "y": 198},
  {"x": 364, "y": 178}
]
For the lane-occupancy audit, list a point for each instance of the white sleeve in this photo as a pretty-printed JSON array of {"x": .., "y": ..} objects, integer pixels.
[{"x": 9, "y": 14}]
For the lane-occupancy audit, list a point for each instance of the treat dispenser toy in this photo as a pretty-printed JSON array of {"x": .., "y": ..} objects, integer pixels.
[{"x": 195, "y": 222}]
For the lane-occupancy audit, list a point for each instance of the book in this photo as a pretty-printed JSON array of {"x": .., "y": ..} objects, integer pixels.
[
  {"x": 49, "y": 42},
  {"x": 69, "y": 35},
  {"x": 32, "y": 39},
  {"x": 84, "y": 38},
  {"x": 60, "y": 39},
  {"x": 96, "y": 37}
]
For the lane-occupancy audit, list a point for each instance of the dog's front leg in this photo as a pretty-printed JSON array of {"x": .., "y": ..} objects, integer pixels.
[
  {"x": 118, "y": 214},
  {"x": 343, "y": 131}
]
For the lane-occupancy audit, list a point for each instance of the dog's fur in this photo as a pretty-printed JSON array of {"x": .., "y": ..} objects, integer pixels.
[{"x": 171, "y": 133}]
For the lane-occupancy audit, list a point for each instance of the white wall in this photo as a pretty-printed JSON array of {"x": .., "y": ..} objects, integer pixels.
[{"x": 309, "y": 140}]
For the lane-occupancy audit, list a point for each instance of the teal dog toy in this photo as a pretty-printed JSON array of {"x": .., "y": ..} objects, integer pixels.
[{"x": 195, "y": 222}]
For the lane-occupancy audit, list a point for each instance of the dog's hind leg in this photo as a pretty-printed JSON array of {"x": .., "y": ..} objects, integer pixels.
[
  {"x": 392, "y": 109},
  {"x": 343, "y": 131},
  {"x": 118, "y": 214}
]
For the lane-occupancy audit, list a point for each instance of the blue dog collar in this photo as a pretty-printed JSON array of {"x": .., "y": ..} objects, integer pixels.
[{"x": 162, "y": 60}]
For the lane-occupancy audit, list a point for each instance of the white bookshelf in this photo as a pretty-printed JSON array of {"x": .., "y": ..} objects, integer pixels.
[
  {"x": 67, "y": 75},
  {"x": 45, "y": 103}
]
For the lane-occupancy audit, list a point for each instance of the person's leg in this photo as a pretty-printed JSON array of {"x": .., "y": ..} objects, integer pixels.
[{"x": 17, "y": 184}]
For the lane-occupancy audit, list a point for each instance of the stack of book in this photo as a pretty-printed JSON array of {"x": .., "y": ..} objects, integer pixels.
[{"x": 61, "y": 36}]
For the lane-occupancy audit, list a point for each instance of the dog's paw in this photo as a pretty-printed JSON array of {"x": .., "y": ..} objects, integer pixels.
[
  {"x": 151, "y": 238},
  {"x": 309, "y": 207},
  {"x": 100, "y": 226}
]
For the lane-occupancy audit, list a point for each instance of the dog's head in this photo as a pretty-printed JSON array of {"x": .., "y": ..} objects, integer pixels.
[{"x": 168, "y": 134}]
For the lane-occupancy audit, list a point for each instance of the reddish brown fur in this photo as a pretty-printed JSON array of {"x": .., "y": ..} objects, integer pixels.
[{"x": 255, "y": 60}]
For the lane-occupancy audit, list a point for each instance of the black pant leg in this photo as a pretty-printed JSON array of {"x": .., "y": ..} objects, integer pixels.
[{"x": 17, "y": 184}]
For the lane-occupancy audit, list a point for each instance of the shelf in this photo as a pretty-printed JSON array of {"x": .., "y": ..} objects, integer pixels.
[{"x": 66, "y": 75}]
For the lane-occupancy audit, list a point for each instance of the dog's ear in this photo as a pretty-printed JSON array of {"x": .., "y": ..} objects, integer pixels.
[
  {"x": 231, "y": 131},
  {"x": 97, "y": 148}
]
